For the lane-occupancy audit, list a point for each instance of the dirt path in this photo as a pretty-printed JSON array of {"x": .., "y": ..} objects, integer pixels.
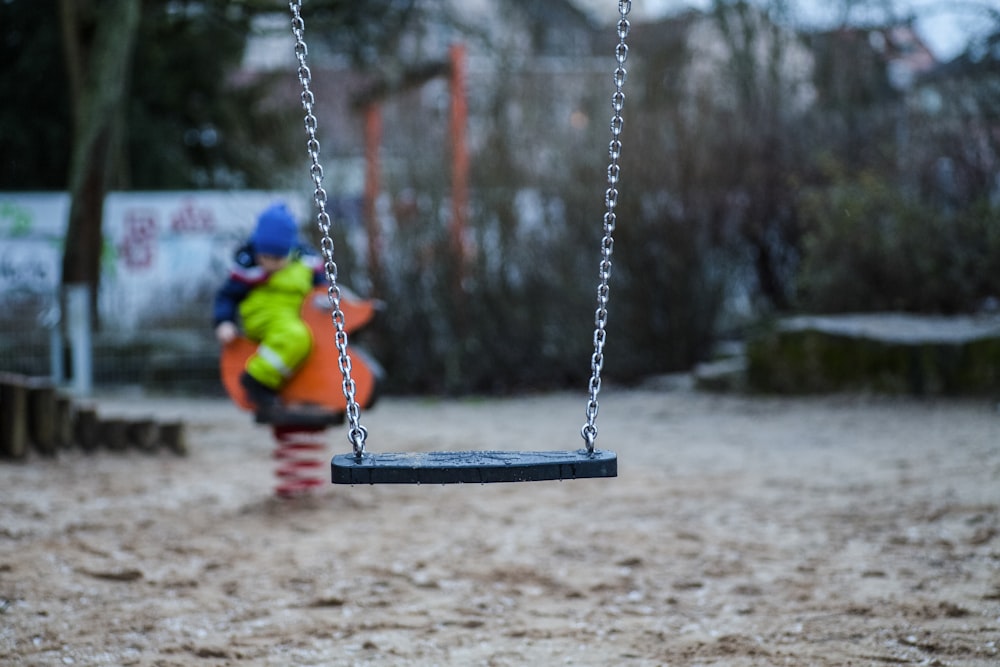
[{"x": 741, "y": 531}]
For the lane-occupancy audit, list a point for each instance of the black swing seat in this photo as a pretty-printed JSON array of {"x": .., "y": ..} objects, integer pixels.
[{"x": 472, "y": 467}]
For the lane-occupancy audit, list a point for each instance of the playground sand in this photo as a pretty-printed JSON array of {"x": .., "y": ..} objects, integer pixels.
[{"x": 740, "y": 531}]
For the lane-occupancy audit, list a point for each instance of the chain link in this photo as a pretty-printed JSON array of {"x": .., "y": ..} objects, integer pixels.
[
  {"x": 357, "y": 434},
  {"x": 589, "y": 430}
]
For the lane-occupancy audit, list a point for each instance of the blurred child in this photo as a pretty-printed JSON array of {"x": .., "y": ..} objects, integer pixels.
[{"x": 270, "y": 278}]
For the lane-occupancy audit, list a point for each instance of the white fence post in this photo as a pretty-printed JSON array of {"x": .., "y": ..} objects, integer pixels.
[{"x": 79, "y": 327}]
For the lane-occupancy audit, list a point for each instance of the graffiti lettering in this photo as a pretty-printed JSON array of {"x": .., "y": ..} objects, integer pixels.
[
  {"x": 138, "y": 244},
  {"x": 188, "y": 219}
]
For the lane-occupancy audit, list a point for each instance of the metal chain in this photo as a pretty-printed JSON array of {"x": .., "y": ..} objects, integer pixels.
[
  {"x": 589, "y": 430},
  {"x": 357, "y": 434}
]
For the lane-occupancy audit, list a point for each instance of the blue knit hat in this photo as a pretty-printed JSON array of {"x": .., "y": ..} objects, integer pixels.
[{"x": 276, "y": 231}]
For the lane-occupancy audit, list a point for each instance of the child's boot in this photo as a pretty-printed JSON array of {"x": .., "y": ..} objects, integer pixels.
[{"x": 267, "y": 405}]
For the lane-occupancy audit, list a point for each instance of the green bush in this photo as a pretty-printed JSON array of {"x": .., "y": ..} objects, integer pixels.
[{"x": 867, "y": 247}]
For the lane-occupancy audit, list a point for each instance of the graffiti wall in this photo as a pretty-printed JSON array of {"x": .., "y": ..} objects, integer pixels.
[
  {"x": 164, "y": 253},
  {"x": 32, "y": 229},
  {"x": 167, "y": 253}
]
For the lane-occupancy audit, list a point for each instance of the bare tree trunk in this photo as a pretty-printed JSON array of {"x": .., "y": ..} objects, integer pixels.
[{"x": 99, "y": 37}]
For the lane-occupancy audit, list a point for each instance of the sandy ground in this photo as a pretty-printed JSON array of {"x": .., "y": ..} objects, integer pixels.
[{"x": 740, "y": 531}]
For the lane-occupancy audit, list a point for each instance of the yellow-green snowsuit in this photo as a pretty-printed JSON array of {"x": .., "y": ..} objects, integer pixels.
[{"x": 270, "y": 306}]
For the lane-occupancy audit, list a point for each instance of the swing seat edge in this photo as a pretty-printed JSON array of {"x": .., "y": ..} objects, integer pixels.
[{"x": 472, "y": 467}]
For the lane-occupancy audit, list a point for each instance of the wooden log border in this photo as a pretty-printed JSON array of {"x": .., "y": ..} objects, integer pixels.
[{"x": 37, "y": 417}]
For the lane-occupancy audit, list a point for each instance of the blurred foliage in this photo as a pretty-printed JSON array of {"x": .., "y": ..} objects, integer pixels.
[
  {"x": 901, "y": 209},
  {"x": 189, "y": 125},
  {"x": 515, "y": 314},
  {"x": 35, "y": 123},
  {"x": 764, "y": 171},
  {"x": 871, "y": 248},
  {"x": 854, "y": 117},
  {"x": 191, "y": 122}
]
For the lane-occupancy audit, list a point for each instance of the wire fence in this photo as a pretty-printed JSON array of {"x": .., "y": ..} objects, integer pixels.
[
  {"x": 163, "y": 256},
  {"x": 35, "y": 341}
]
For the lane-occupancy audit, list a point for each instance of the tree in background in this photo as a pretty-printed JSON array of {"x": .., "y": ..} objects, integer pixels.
[{"x": 98, "y": 41}]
